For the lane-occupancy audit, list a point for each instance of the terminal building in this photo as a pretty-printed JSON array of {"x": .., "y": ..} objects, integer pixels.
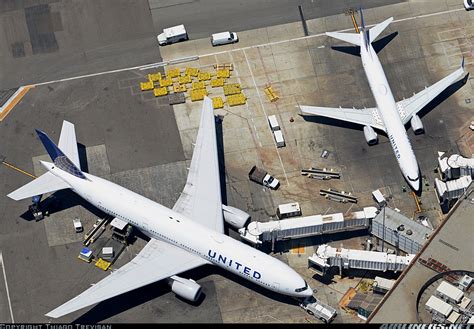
[{"x": 401, "y": 232}]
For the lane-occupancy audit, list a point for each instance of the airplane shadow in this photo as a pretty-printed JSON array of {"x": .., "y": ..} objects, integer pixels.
[
  {"x": 378, "y": 45},
  {"x": 61, "y": 200},
  {"x": 83, "y": 157},
  {"x": 445, "y": 94},
  {"x": 331, "y": 122},
  {"x": 220, "y": 157},
  {"x": 131, "y": 299},
  {"x": 221, "y": 160}
]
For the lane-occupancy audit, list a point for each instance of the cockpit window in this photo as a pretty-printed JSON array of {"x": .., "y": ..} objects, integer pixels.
[
  {"x": 302, "y": 289},
  {"x": 412, "y": 179}
]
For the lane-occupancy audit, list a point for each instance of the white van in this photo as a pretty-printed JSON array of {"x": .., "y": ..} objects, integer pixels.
[{"x": 224, "y": 38}]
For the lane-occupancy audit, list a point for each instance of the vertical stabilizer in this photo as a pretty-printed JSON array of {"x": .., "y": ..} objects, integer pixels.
[
  {"x": 68, "y": 144},
  {"x": 364, "y": 31}
]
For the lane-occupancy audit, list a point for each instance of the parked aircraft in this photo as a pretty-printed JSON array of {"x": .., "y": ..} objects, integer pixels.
[
  {"x": 388, "y": 116},
  {"x": 182, "y": 238}
]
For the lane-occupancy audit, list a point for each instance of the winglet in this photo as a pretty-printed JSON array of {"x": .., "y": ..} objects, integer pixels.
[{"x": 462, "y": 63}]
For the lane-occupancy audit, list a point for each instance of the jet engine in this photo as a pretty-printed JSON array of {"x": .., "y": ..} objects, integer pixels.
[
  {"x": 235, "y": 217},
  {"x": 370, "y": 135},
  {"x": 185, "y": 288},
  {"x": 417, "y": 125}
]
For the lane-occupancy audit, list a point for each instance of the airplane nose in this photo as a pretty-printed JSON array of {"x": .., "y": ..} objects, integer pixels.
[
  {"x": 415, "y": 186},
  {"x": 307, "y": 293}
]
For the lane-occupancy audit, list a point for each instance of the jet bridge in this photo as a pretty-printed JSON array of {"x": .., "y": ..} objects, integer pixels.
[
  {"x": 327, "y": 256},
  {"x": 299, "y": 227}
]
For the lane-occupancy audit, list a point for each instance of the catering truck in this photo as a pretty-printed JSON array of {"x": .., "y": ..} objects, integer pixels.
[
  {"x": 262, "y": 177},
  {"x": 172, "y": 35}
]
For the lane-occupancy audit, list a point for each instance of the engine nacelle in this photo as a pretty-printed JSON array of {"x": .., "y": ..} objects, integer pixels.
[
  {"x": 370, "y": 135},
  {"x": 235, "y": 217},
  {"x": 417, "y": 125},
  {"x": 185, "y": 288}
]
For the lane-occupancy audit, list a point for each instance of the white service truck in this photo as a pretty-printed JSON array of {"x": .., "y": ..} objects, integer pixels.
[
  {"x": 262, "y": 177},
  {"x": 77, "y": 225},
  {"x": 172, "y": 35},
  {"x": 318, "y": 309}
]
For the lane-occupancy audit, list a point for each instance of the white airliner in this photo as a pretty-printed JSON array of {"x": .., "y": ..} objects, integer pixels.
[
  {"x": 182, "y": 238},
  {"x": 389, "y": 116}
]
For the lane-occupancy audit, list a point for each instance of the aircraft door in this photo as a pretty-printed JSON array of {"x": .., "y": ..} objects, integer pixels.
[{"x": 276, "y": 286}]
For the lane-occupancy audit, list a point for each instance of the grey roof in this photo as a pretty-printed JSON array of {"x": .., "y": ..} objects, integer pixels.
[
  {"x": 356, "y": 300},
  {"x": 394, "y": 219},
  {"x": 365, "y": 301}
]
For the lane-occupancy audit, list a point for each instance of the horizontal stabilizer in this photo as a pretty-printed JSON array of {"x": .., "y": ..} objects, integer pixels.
[
  {"x": 377, "y": 29},
  {"x": 347, "y": 37},
  {"x": 44, "y": 184}
]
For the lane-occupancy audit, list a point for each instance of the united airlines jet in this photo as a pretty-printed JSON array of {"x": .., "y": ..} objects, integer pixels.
[
  {"x": 389, "y": 116},
  {"x": 182, "y": 238}
]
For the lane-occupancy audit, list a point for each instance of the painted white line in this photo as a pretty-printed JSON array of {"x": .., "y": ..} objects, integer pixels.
[
  {"x": 6, "y": 287},
  {"x": 151, "y": 65},
  {"x": 266, "y": 116},
  {"x": 324, "y": 33},
  {"x": 92, "y": 75}
]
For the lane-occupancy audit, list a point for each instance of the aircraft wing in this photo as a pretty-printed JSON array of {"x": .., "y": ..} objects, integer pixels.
[
  {"x": 410, "y": 106},
  {"x": 365, "y": 117},
  {"x": 201, "y": 196},
  {"x": 157, "y": 260}
]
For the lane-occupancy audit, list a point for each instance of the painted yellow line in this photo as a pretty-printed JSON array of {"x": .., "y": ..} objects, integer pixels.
[
  {"x": 14, "y": 101},
  {"x": 355, "y": 23},
  {"x": 9, "y": 165},
  {"x": 417, "y": 201}
]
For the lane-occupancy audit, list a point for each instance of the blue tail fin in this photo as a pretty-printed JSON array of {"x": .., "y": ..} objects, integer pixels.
[
  {"x": 366, "y": 32},
  {"x": 49, "y": 145},
  {"x": 58, "y": 157}
]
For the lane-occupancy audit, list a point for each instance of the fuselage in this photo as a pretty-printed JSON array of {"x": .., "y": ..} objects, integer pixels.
[
  {"x": 164, "y": 224},
  {"x": 390, "y": 116}
]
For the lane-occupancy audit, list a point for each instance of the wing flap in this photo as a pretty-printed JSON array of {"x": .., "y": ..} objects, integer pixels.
[
  {"x": 157, "y": 260},
  {"x": 365, "y": 117},
  {"x": 201, "y": 196}
]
